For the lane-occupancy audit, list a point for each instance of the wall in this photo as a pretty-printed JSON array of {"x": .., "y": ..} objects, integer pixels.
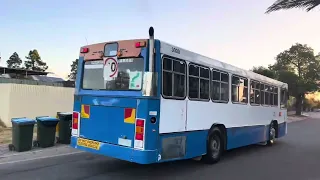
[
  {"x": 21, "y": 100},
  {"x": 4, "y": 103}
]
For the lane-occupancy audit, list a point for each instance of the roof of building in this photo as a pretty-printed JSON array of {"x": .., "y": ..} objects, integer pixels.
[
  {"x": 47, "y": 79},
  {"x": 5, "y": 70}
]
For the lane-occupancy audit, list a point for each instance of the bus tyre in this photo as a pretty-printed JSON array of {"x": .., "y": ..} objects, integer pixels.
[
  {"x": 215, "y": 146},
  {"x": 272, "y": 134}
]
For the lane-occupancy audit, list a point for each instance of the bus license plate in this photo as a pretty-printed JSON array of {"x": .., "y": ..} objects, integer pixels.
[{"x": 88, "y": 143}]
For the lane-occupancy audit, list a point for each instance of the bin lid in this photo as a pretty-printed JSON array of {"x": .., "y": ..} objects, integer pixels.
[
  {"x": 65, "y": 113},
  {"x": 46, "y": 118},
  {"x": 23, "y": 121}
]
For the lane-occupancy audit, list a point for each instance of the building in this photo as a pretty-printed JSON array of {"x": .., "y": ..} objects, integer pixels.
[{"x": 24, "y": 76}]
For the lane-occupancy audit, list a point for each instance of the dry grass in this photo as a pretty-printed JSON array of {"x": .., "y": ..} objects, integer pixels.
[{"x": 6, "y": 135}]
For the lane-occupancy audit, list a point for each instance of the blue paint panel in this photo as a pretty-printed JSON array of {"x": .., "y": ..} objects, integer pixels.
[
  {"x": 120, "y": 152},
  {"x": 243, "y": 136},
  {"x": 106, "y": 124},
  {"x": 109, "y": 101},
  {"x": 282, "y": 129},
  {"x": 151, "y": 130},
  {"x": 110, "y": 93},
  {"x": 195, "y": 143}
]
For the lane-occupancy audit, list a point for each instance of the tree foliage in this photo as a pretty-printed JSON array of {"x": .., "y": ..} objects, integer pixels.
[
  {"x": 264, "y": 71},
  {"x": 299, "y": 68},
  {"x": 74, "y": 69},
  {"x": 34, "y": 62},
  {"x": 14, "y": 61},
  {"x": 289, "y": 4}
]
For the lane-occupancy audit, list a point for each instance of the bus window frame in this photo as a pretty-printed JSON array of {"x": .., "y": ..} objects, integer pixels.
[
  {"x": 199, "y": 78},
  {"x": 104, "y": 48},
  {"x": 255, "y": 81},
  {"x": 133, "y": 90},
  {"x": 229, "y": 85},
  {"x": 172, "y": 88}
]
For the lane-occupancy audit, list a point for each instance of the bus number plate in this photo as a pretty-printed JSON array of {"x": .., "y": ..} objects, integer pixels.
[{"x": 88, "y": 143}]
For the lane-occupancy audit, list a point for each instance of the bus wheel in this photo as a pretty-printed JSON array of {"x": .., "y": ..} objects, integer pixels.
[
  {"x": 272, "y": 134},
  {"x": 215, "y": 146}
]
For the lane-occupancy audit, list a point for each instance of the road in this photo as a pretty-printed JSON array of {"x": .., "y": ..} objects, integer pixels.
[{"x": 296, "y": 156}]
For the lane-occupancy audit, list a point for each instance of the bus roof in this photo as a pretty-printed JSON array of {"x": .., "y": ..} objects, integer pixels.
[{"x": 187, "y": 55}]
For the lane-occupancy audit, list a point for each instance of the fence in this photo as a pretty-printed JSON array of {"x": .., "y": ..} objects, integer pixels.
[{"x": 25, "y": 100}]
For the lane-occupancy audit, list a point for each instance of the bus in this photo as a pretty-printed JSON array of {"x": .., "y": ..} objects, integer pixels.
[{"x": 147, "y": 101}]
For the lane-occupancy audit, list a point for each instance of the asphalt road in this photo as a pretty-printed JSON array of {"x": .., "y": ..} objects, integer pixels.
[{"x": 296, "y": 156}]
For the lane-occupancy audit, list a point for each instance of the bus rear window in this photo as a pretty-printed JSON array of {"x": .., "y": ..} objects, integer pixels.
[{"x": 128, "y": 75}]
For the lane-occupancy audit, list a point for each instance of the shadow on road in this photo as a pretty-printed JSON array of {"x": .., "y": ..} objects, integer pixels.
[{"x": 169, "y": 169}]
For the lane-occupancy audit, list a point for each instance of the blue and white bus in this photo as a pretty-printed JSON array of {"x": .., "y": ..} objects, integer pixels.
[{"x": 147, "y": 101}]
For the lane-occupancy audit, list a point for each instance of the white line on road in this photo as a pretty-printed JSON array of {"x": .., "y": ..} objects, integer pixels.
[{"x": 43, "y": 157}]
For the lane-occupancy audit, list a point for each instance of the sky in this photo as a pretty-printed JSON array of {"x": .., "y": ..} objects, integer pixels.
[{"x": 238, "y": 33}]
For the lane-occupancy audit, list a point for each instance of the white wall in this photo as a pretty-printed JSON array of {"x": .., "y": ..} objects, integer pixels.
[{"x": 21, "y": 100}]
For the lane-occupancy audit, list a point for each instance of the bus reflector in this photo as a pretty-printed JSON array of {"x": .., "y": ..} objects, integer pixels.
[
  {"x": 75, "y": 123},
  {"x": 84, "y": 50},
  {"x": 140, "y": 44},
  {"x": 139, "y": 134}
]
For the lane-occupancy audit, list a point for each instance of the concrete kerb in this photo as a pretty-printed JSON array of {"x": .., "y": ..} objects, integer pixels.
[{"x": 55, "y": 151}]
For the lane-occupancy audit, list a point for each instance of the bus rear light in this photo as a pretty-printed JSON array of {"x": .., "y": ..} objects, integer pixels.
[
  {"x": 75, "y": 123},
  {"x": 140, "y": 44},
  {"x": 140, "y": 123},
  {"x": 139, "y": 137},
  {"x": 84, "y": 50},
  {"x": 139, "y": 134}
]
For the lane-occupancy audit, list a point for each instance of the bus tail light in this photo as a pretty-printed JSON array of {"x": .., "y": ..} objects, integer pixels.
[
  {"x": 75, "y": 123},
  {"x": 84, "y": 50},
  {"x": 140, "y": 44},
  {"x": 139, "y": 134}
]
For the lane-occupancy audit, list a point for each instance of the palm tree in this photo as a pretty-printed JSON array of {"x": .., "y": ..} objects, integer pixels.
[{"x": 289, "y": 4}]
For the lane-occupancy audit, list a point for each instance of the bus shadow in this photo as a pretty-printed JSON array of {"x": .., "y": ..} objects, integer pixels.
[{"x": 127, "y": 169}]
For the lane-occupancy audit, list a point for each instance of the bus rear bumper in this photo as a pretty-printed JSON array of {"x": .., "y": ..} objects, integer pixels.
[{"x": 120, "y": 152}]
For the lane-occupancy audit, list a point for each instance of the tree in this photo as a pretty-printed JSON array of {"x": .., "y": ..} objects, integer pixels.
[
  {"x": 299, "y": 68},
  {"x": 14, "y": 61},
  {"x": 289, "y": 4},
  {"x": 34, "y": 62},
  {"x": 264, "y": 71},
  {"x": 74, "y": 69}
]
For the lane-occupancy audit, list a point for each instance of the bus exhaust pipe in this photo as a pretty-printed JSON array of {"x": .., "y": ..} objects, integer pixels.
[
  {"x": 150, "y": 77},
  {"x": 151, "y": 49}
]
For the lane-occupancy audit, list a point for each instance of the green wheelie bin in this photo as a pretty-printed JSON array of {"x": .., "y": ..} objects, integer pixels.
[
  {"x": 64, "y": 130},
  {"x": 46, "y": 131},
  {"x": 22, "y": 134}
]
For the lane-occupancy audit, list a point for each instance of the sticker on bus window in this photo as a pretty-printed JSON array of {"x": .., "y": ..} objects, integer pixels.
[
  {"x": 110, "y": 69},
  {"x": 135, "y": 80}
]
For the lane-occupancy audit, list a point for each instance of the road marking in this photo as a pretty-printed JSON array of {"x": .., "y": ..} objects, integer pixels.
[{"x": 43, "y": 157}]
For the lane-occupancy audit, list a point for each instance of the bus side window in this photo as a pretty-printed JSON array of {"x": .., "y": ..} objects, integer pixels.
[
  {"x": 262, "y": 93},
  {"x": 219, "y": 86},
  {"x": 199, "y": 81},
  {"x": 255, "y": 93},
  {"x": 239, "y": 90},
  {"x": 173, "y": 78},
  {"x": 275, "y": 90},
  {"x": 284, "y": 98}
]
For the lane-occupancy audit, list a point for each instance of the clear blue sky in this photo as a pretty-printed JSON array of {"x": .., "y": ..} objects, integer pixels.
[{"x": 237, "y": 32}]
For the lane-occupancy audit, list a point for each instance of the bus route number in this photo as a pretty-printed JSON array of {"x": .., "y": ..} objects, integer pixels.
[{"x": 175, "y": 50}]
